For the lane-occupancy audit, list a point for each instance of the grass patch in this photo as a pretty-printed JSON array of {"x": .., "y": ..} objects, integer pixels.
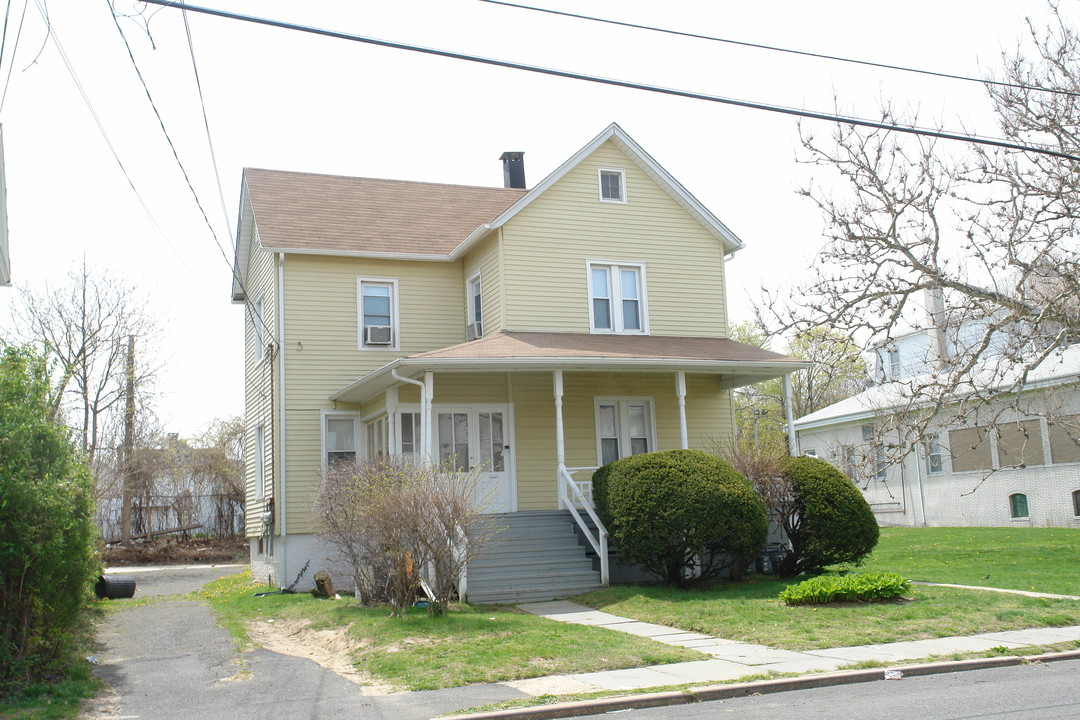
[
  {"x": 471, "y": 645},
  {"x": 1038, "y": 559},
  {"x": 55, "y": 701},
  {"x": 751, "y": 612}
]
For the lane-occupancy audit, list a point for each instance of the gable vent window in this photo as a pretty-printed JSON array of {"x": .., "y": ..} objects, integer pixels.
[
  {"x": 612, "y": 185},
  {"x": 378, "y": 313}
]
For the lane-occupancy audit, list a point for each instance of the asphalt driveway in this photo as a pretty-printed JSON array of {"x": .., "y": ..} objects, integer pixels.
[{"x": 169, "y": 660}]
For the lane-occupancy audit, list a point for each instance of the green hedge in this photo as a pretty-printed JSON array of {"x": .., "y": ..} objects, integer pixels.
[
  {"x": 867, "y": 587},
  {"x": 680, "y": 513},
  {"x": 48, "y": 556},
  {"x": 830, "y": 523}
]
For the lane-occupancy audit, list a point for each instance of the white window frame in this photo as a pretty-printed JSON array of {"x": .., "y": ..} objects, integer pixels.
[
  {"x": 614, "y": 267},
  {"x": 621, "y": 404},
  {"x": 258, "y": 321},
  {"x": 325, "y": 415},
  {"x": 395, "y": 317},
  {"x": 474, "y": 300},
  {"x": 600, "y": 172},
  {"x": 370, "y": 423},
  {"x": 934, "y": 441},
  {"x": 260, "y": 461}
]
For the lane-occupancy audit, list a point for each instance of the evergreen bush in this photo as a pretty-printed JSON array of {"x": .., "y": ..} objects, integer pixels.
[
  {"x": 683, "y": 515},
  {"x": 829, "y": 521},
  {"x": 48, "y": 553}
]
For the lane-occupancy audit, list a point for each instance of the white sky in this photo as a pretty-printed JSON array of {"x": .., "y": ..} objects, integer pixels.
[{"x": 283, "y": 100}]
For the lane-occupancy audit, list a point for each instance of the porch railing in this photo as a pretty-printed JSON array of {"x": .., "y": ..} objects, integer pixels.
[{"x": 572, "y": 497}]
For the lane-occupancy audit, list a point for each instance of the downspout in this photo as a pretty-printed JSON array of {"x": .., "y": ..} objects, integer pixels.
[
  {"x": 281, "y": 386},
  {"x": 920, "y": 476},
  {"x": 425, "y": 446},
  {"x": 793, "y": 442}
]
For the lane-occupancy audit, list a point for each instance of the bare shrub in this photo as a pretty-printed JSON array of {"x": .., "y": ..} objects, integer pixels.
[{"x": 400, "y": 524}]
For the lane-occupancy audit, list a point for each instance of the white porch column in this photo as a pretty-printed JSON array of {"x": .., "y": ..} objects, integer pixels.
[
  {"x": 680, "y": 390},
  {"x": 392, "y": 419},
  {"x": 427, "y": 428},
  {"x": 560, "y": 445},
  {"x": 792, "y": 441}
]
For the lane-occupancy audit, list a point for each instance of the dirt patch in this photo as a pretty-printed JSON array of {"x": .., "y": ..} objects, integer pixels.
[
  {"x": 175, "y": 551},
  {"x": 331, "y": 648}
]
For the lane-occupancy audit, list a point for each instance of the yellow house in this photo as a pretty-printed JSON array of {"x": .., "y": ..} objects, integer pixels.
[{"x": 538, "y": 333}]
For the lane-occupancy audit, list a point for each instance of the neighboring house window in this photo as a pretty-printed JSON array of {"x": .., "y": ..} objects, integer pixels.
[
  {"x": 260, "y": 462},
  {"x": 340, "y": 438},
  {"x": 849, "y": 461},
  {"x": 258, "y": 320},
  {"x": 378, "y": 312},
  {"x": 970, "y": 449},
  {"x": 475, "y": 311},
  {"x": 934, "y": 462},
  {"x": 410, "y": 435},
  {"x": 1020, "y": 444},
  {"x": 612, "y": 185},
  {"x": 617, "y": 298},
  {"x": 894, "y": 364},
  {"x": 881, "y": 462},
  {"x": 623, "y": 427},
  {"x": 810, "y": 453},
  {"x": 1018, "y": 505},
  {"x": 378, "y": 438},
  {"x": 1076, "y": 502},
  {"x": 1064, "y": 436}
]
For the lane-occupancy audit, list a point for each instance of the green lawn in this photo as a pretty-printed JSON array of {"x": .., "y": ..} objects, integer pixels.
[
  {"x": 471, "y": 645},
  {"x": 1040, "y": 559}
]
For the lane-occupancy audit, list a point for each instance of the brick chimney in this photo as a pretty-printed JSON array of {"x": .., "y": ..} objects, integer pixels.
[{"x": 513, "y": 169}]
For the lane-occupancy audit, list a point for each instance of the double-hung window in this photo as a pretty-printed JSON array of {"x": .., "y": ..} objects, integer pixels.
[
  {"x": 934, "y": 463},
  {"x": 474, "y": 311},
  {"x": 624, "y": 426},
  {"x": 377, "y": 311},
  {"x": 340, "y": 438},
  {"x": 617, "y": 298}
]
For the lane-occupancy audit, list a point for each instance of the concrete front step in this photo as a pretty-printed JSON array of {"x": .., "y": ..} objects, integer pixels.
[
  {"x": 517, "y": 582},
  {"x": 514, "y": 597}
]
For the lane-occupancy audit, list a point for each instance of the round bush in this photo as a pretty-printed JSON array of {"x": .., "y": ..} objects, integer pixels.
[
  {"x": 831, "y": 521},
  {"x": 680, "y": 513}
]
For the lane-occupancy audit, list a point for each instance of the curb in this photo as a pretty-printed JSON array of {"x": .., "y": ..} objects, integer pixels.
[{"x": 759, "y": 687}]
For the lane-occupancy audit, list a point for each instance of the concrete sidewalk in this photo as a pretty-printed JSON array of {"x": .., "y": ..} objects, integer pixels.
[{"x": 732, "y": 660}]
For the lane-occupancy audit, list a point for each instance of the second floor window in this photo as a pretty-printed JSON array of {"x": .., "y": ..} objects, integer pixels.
[
  {"x": 378, "y": 313},
  {"x": 617, "y": 298},
  {"x": 474, "y": 312}
]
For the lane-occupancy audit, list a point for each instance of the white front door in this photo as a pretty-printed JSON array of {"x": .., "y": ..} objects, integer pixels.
[{"x": 479, "y": 438}]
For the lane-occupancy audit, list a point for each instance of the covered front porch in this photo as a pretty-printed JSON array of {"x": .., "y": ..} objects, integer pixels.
[{"x": 537, "y": 413}]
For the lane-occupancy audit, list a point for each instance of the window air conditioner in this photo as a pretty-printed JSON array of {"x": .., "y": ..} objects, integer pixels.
[
  {"x": 377, "y": 335},
  {"x": 473, "y": 331}
]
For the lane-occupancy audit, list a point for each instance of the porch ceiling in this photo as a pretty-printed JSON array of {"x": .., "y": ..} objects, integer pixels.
[{"x": 734, "y": 363}]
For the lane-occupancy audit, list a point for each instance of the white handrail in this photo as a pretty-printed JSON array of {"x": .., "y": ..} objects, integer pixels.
[{"x": 599, "y": 543}]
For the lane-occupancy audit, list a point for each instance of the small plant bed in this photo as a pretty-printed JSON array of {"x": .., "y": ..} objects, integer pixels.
[
  {"x": 862, "y": 588},
  {"x": 751, "y": 612},
  {"x": 418, "y": 652},
  {"x": 1034, "y": 559}
]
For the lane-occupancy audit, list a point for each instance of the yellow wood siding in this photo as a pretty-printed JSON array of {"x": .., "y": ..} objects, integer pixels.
[
  {"x": 485, "y": 258},
  {"x": 321, "y": 346},
  {"x": 260, "y": 381},
  {"x": 545, "y": 247}
]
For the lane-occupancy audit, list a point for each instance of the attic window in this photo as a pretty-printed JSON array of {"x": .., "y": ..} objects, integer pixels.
[{"x": 612, "y": 185}]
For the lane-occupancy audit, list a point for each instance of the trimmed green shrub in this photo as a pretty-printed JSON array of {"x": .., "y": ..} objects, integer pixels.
[
  {"x": 680, "y": 513},
  {"x": 48, "y": 556},
  {"x": 828, "y": 521},
  {"x": 867, "y": 587}
]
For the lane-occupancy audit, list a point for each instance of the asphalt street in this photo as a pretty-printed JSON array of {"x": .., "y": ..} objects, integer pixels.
[
  {"x": 1036, "y": 691},
  {"x": 169, "y": 660}
]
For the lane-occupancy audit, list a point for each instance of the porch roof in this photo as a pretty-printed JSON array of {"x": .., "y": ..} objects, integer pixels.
[{"x": 736, "y": 364}]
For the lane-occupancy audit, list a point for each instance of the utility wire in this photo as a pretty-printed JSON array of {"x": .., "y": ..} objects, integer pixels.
[
  {"x": 187, "y": 178},
  {"x": 14, "y": 48},
  {"x": 974, "y": 139},
  {"x": 773, "y": 48},
  {"x": 108, "y": 142}
]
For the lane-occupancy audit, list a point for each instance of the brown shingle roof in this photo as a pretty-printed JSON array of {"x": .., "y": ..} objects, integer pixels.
[
  {"x": 572, "y": 345},
  {"x": 330, "y": 213}
]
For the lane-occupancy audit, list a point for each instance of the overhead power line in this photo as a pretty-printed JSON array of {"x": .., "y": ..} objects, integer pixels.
[
  {"x": 773, "y": 48},
  {"x": 828, "y": 117}
]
